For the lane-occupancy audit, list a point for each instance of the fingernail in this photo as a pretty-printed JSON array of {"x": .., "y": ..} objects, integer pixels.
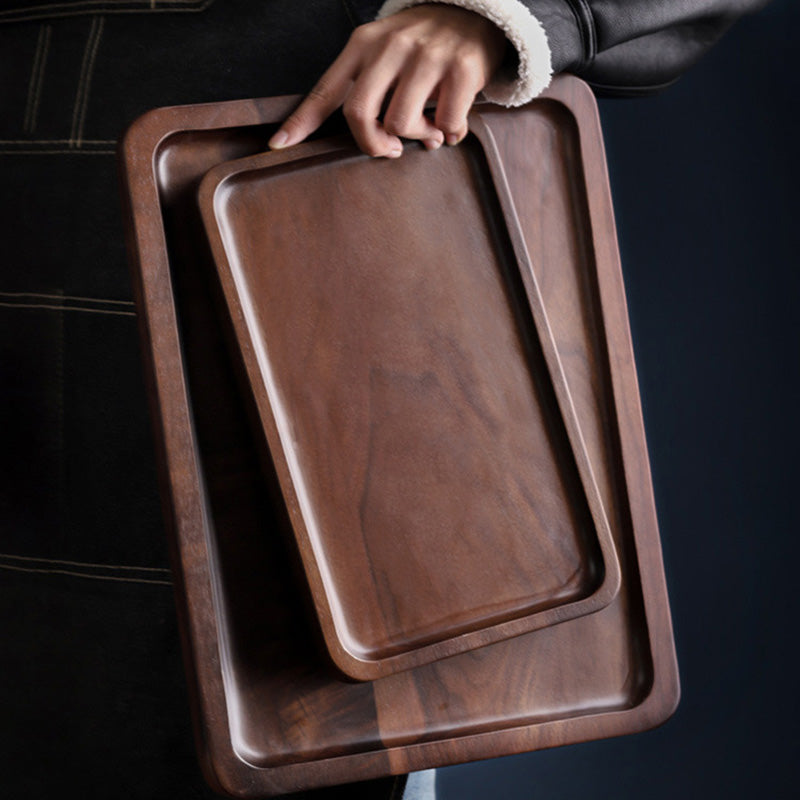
[
  {"x": 395, "y": 153},
  {"x": 452, "y": 139},
  {"x": 433, "y": 144},
  {"x": 279, "y": 140}
]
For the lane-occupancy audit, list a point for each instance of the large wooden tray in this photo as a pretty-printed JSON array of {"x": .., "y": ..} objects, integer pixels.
[
  {"x": 412, "y": 395},
  {"x": 271, "y": 715}
]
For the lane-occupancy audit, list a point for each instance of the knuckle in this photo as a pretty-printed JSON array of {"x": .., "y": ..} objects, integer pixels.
[
  {"x": 431, "y": 55},
  {"x": 355, "y": 110},
  {"x": 465, "y": 68},
  {"x": 362, "y": 34},
  {"x": 397, "y": 124},
  {"x": 302, "y": 117},
  {"x": 404, "y": 40},
  {"x": 449, "y": 121},
  {"x": 295, "y": 123},
  {"x": 321, "y": 92}
]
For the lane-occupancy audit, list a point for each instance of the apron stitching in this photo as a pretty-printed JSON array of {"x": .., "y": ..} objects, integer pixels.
[
  {"x": 71, "y": 9},
  {"x": 84, "y": 83},
  {"x": 50, "y": 307},
  {"x": 85, "y": 575},
  {"x": 89, "y": 75},
  {"x": 32, "y": 83},
  {"x": 349, "y": 13},
  {"x": 42, "y": 66},
  {"x": 62, "y": 563},
  {"x": 55, "y": 141},
  {"x": 67, "y": 297},
  {"x": 82, "y": 80},
  {"x": 74, "y": 151}
]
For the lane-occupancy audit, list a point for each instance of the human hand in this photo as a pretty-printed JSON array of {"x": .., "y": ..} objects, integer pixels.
[{"x": 426, "y": 52}]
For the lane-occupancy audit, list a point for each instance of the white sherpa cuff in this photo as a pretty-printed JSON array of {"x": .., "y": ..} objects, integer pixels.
[{"x": 522, "y": 29}]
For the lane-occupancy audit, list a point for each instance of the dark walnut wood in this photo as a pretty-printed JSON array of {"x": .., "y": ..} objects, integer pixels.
[
  {"x": 409, "y": 388},
  {"x": 271, "y": 714}
]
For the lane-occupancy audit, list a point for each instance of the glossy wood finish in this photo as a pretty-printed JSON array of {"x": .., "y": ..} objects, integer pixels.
[
  {"x": 271, "y": 716},
  {"x": 409, "y": 387}
]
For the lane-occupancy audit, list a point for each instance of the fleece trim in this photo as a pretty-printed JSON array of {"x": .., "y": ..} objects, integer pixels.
[{"x": 523, "y": 30}]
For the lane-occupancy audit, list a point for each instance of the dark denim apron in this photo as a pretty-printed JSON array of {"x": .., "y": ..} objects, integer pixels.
[{"x": 91, "y": 691}]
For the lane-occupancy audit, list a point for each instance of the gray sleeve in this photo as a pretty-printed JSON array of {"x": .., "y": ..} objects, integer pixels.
[
  {"x": 621, "y": 47},
  {"x": 633, "y": 46}
]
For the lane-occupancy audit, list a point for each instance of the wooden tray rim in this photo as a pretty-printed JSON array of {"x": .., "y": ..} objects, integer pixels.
[
  {"x": 188, "y": 515},
  {"x": 353, "y": 665}
]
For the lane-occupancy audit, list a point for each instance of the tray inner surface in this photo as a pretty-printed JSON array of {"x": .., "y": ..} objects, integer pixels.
[
  {"x": 411, "y": 398},
  {"x": 284, "y": 704}
]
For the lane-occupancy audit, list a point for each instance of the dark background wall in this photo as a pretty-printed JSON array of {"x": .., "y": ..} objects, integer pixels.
[
  {"x": 704, "y": 178},
  {"x": 705, "y": 182}
]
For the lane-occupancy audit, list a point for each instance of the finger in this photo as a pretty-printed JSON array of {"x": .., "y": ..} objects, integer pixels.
[
  {"x": 363, "y": 105},
  {"x": 456, "y": 94},
  {"x": 405, "y": 115},
  {"x": 326, "y": 96}
]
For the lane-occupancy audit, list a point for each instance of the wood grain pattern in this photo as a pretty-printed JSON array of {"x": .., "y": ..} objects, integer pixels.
[
  {"x": 271, "y": 716},
  {"x": 408, "y": 400}
]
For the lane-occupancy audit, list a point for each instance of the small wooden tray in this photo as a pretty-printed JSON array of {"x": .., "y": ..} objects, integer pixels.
[
  {"x": 271, "y": 716},
  {"x": 409, "y": 387}
]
